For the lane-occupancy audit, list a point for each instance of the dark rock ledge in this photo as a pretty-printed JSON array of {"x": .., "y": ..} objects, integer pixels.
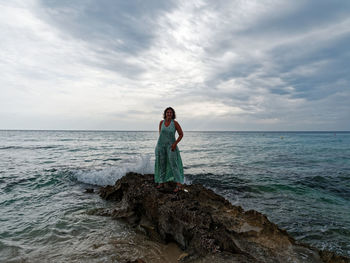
[{"x": 203, "y": 223}]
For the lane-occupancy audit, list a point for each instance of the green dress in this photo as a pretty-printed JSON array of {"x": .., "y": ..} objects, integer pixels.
[{"x": 168, "y": 164}]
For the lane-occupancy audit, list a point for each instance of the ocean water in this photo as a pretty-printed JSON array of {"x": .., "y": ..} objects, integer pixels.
[{"x": 299, "y": 180}]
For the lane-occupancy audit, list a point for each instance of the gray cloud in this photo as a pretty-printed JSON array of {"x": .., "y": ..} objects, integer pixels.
[
  {"x": 122, "y": 26},
  {"x": 250, "y": 65}
]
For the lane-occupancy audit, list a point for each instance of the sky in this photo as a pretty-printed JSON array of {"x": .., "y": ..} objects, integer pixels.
[{"x": 257, "y": 65}]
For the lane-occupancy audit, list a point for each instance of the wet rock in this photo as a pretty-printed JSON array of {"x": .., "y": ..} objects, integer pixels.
[
  {"x": 205, "y": 224},
  {"x": 89, "y": 190}
]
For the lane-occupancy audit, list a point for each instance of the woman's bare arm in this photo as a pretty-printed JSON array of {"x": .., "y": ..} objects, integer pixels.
[
  {"x": 181, "y": 134},
  {"x": 160, "y": 126}
]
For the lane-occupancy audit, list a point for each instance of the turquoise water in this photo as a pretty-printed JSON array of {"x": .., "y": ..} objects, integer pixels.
[{"x": 300, "y": 180}]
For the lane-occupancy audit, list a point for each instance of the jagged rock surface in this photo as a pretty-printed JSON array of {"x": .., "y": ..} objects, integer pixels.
[{"x": 203, "y": 223}]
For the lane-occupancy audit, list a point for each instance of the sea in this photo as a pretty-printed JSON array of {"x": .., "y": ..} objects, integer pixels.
[{"x": 299, "y": 180}]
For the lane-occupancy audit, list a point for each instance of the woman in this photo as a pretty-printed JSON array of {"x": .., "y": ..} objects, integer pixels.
[{"x": 168, "y": 164}]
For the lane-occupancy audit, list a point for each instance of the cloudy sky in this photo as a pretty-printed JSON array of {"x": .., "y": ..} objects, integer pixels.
[{"x": 223, "y": 65}]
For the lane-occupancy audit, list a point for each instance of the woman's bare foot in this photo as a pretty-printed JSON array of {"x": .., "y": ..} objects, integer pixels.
[
  {"x": 178, "y": 188},
  {"x": 160, "y": 186}
]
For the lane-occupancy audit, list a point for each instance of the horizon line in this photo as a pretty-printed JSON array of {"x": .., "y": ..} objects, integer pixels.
[{"x": 91, "y": 130}]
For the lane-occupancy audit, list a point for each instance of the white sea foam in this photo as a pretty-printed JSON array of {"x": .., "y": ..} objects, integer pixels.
[
  {"x": 108, "y": 176},
  {"x": 187, "y": 181}
]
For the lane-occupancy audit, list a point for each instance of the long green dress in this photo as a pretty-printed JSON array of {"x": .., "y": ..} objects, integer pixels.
[{"x": 168, "y": 164}]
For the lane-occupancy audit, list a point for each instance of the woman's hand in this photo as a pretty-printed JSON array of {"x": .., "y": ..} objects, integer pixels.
[{"x": 173, "y": 146}]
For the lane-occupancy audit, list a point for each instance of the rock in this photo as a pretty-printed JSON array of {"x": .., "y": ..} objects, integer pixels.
[
  {"x": 204, "y": 224},
  {"x": 137, "y": 261},
  {"x": 182, "y": 256},
  {"x": 89, "y": 190}
]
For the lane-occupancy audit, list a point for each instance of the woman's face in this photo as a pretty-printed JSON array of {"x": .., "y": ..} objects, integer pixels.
[{"x": 169, "y": 114}]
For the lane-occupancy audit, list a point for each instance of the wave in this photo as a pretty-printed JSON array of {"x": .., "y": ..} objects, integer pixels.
[
  {"x": 112, "y": 159},
  {"x": 10, "y": 147},
  {"x": 108, "y": 176},
  {"x": 13, "y": 147}
]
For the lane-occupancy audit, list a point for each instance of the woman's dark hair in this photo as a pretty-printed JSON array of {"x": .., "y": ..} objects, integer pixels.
[{"x": 169, "y": 108}]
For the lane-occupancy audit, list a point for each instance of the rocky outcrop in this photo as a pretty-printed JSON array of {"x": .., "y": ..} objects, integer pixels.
[{"x": 205, "y": 224}]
